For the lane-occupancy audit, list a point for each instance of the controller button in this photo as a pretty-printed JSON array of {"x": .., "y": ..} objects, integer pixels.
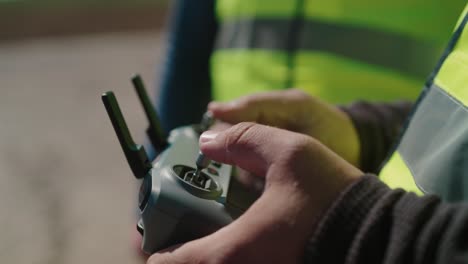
[{"x": 212, "y": 171}]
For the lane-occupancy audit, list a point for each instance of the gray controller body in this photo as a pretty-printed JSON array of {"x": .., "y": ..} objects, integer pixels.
[
  {"x": 175, "y": 210},
  {"x": 176, "y": 204}
]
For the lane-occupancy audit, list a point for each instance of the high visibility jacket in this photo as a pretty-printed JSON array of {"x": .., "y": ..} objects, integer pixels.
[
  {"x": 338, "y": 50},
  {"x": 432, "y": 154}
]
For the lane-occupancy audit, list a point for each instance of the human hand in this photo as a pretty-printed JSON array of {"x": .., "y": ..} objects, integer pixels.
[
  {"x": 296, "y": 111},
  {"x": 302, "y": 176}
]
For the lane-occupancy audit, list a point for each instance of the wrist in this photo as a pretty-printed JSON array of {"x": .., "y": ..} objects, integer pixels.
[{"x": 351, "y": 143}]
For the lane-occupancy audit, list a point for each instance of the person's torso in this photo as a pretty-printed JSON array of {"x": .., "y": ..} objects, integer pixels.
[
  {"x": 338, "y": 50},
  {"x": 432, "y": 154}
]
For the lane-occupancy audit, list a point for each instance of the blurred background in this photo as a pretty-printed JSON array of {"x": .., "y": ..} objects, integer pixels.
[{"x": 66, "y": 192}]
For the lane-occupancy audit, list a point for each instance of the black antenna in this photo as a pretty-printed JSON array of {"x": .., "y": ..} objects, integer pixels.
[
  {"x": 154, "y": 131},
  {"x": 135, "y": 154}
]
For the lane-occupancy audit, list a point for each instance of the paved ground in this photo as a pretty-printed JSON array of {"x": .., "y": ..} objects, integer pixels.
[{"x": 66, "y": 193}]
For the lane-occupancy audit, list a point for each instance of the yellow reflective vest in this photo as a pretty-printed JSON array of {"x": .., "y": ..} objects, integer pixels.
[
  {"x": 432, "y": 153},
  {"x": 338, "y": 50}
]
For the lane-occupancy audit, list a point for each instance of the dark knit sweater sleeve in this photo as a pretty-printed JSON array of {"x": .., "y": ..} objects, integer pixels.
[
  {"x": 378, "y": 126},
  {"x": 370, "y": 223}
]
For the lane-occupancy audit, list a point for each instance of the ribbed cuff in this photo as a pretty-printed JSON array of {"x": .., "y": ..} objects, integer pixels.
[{"x": 332, "y": 239}]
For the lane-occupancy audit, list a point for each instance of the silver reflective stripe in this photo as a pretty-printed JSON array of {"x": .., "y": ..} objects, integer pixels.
[
  {"x": 252, "y": 34},
  {"x": 391, "y": 50},
  {"x": 435, "y": 146}
]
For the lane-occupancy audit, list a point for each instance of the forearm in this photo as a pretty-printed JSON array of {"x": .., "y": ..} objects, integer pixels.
[
  {"x": 370, "y": 223},
  {"x": 378, "y": 126},
  {"x": 185, "y": 83}
]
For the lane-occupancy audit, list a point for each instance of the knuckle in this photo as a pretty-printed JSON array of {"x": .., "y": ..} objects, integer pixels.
[
  {"x": 237, "y": 135},
  {"x": 297, "y": 149},
  {"x": 296, "y": 161}
]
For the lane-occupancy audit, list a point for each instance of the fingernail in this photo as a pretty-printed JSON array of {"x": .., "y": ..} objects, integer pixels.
[{"x": 208, "y": 136}]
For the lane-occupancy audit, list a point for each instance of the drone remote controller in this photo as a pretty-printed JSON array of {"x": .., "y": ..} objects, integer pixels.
[{"x": 183, "y": 196}]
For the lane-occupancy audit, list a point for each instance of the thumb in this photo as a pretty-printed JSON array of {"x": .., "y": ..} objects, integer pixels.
[{"x": 250, "y": 146}]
